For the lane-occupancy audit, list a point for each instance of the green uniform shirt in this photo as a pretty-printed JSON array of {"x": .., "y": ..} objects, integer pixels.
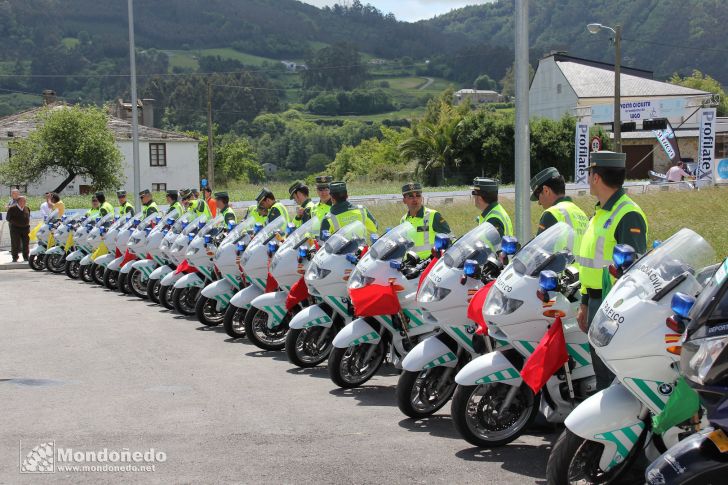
[
  {"x": 427, "y": 228},
  {"x": 345, "y": 206},
  {"x": 320, "y": 209},
  {"x": 106, "y": 208},
  {"x": 150, "y": 208},
  {"x": 307, "y": 207},
  {"x": 126, "y": 209},
  {"x": 278, "y": 210},
  {"x": 496, "y": 215},
  {"x": 200, "y": 207},
  {"x": 180, "y": 209},
  {"x": 229, "y": 215}
]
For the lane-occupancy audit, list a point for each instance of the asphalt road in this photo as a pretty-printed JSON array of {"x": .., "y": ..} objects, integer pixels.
[{"x": 90, "y": 369}]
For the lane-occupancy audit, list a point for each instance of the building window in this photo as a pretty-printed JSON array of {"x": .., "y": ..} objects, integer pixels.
[
  {"x": 158, "y": 154},
  {"x": 159, "y": 187},
  {"x": 10, "y": 152},
  {"x": 558, "y": 88},
  {"x": 721, "y": 147}
]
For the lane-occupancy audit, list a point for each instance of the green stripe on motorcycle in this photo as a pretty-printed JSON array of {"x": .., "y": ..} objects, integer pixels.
[
  {"x": 624, "y": 440},
  {"x": 442, "y": 360},
  {"x": 371, "y": 336},
  {"x": 467, "y": 339},
  {"x": 414, "y": 320},
  {"x": 337, "y": 303},
  {"x": 527, "y": 346},
  {"x": 574, "y": 353},
  {"x": 645, "y": 388},
  {"x": 503, "y": 375}
]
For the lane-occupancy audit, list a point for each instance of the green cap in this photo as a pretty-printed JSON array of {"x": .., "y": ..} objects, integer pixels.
[
  {"x": 99, "y": 194},
  {"x": 541, "y": 178},
  {"x": 411, "y": 187},
  {"x": 172, "y": 193},
  {"x": 297, "y": 185},
  {"x": 323, "y": 181},
  {"x": 222, "y": 195},
  {"x": 608, "y": 159},
  {"x": 265, "y": 192},
  {"x": 120, "y": 193},
  {"x": 337, "y": 188},
  {"x": 144, "y": 192},
  {"x": 485, "y": 185},
  {"x": 185, "y": 194}
]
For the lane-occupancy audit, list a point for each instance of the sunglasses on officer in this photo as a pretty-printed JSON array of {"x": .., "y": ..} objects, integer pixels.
[{"x": 413, "y": 195}]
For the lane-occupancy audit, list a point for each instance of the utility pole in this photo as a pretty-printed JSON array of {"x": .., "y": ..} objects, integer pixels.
[
  {"x": 522, "y": 135},
  {"x": 210, "y": 154},
  {"x": 134, "y": 110},
  {"x": 617, "y": 88}
]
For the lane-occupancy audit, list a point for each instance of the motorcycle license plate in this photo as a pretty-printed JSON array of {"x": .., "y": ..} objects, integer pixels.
[{"x": 719, "y": 438}]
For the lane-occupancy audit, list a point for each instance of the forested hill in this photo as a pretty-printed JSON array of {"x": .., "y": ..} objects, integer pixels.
[{"x": 665, "y": 36}]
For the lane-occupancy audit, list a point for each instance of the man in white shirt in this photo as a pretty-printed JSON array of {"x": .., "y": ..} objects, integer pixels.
[
  {"x": 676, "y": 173},
  {"x": 45, "y": 207}
]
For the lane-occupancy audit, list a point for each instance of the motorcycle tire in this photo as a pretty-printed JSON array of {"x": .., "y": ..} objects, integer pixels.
[
  {"x": 480, "y": 429},
  {"x": 342, "y": 361},
  {"x": 165, "y": 296},
  {"x": 111, "y": 279},
  {"x": 206, "y": 312},
  {"x": 123, "y": 285},
  {"x": 184, "y": 300},
  {"x": 73, "y": 269},
  {"x": 97, "y": 273},
  {"x": 37, "y": 262},
  {"x": 262, "y": 336},
  {"x": 153, "y": 289},
  {"x": 571, "y": 450},
  {"x": 135, "y": 282},
  {"x": 56, "y": 263},
  {"x": 418, "y": 395},
  {"x": 86, "y": 273},
  {"x": 304, "y": 350},
  {"x": 234, "y": 321}
]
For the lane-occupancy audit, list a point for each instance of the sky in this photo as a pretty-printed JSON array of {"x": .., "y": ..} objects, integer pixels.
[{"x": 409, "y": 10}]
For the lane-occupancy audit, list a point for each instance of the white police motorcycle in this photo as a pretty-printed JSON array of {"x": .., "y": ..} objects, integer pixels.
[{"x": 167, "y": 261}]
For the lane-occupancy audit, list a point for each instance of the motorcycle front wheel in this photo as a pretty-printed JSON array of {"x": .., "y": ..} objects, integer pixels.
[
  {"x": 234, "y": 321},
  {"x": 153, "y": 290},
  {"x": 308, "y": 347},
  {"x": 111, "y": 279},
  {"x": 574, "y": 459},
  {"x": 97, "y": 273},
  {"x": 206, "y": 312},
  {"x": 37, "y": 262},
  {"x": 420, "y": 394},
  {"x": 86, "y": 273},
  {"x": 56, "y": 263},
  {"x": 73, "y": 269},
  {"x": 165, "y": 296},
  {"x": 123, "y": 285},
  {"x": 478, "y": 417},
  {"x": 353, "y": 366},
  {"x": 184, "y": 300},
  {"x": 260, "y": 334},
  {"x": 135, "y": 282}
]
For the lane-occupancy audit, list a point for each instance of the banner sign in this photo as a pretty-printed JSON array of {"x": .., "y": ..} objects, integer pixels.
[
  {"x": 706, "y": 146},
  {"x": 668, "y": 141},
  {"x": 640, "y": 110},
  {"x": 581, "y": 153}
]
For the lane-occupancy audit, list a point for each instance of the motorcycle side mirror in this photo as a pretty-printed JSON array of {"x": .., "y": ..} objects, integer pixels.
[{"x": 509, "y": 245}]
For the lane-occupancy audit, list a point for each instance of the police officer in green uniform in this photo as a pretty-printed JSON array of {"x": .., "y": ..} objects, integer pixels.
[
  {"x": 105, "y": 207},
  {"x": 344, "y": 212},
  {"x": 260, "y": 214},
  {"x": 222, "y": 201},
  {"x": 428, "y": 222},
  {"x": 617, "y": 220},
  {"x": 299, "y": 193},
  {"x": 174, "y": 204},
  {"x": 193, "y": 204},
  {"x": 93, "y": 212},
  {"x": 323, "y": 206},
  {"x": 548, "y": 187},
  {"x": 485, "y": 195},
  {"x": 275, "y": 209},
  {"x": 148, "y": 204},
  {"x": 125, "y": 207}
]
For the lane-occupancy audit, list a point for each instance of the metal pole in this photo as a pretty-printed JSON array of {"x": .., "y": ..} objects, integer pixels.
[
  {"x": 617, "y": 88},
  {"x": 134, "y": 111},
  {"x": 210, "y": 153},
  {"x": 522, "y": 135}
]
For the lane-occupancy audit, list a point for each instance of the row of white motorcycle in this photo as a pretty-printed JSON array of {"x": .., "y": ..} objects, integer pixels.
[{"x": 292, "y": 288}]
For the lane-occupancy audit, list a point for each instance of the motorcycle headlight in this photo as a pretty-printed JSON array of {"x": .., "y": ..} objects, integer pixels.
[
  {"x": 316, "y": 272},
  {"x": 700, "y": 364},
  {"x": 358, "y": 280},
  {"x": 431, "y": 292},
  {"x": 192, "y": 251},
  {"x": 602, "y": 329},
  {"x": 498, "y": 303}
]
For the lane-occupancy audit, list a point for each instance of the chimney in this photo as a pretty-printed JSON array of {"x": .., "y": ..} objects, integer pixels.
[
  {"x": 49, "y": 97},
  {"x": 148, "y": 112}
]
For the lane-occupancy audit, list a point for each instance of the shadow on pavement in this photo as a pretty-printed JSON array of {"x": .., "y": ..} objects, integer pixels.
[
  {"x": 321, "y": 371},
  {"x": 439, "y": 426},
  {"x": 271, "y": 354},
  {"x": 371, "y": 395},
  {"x": 527, "y": 460}
]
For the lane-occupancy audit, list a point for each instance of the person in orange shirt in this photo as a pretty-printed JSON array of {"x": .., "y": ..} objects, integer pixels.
[{"x": 207, "y": 192}]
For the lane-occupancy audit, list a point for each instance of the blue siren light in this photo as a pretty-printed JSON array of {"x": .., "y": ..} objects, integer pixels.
[
  {"x": 548, "y": 280},
  {"x": 147, "y": 230},
  {"x": 623, "y": 256},
  {"x": 170, "y": 221},
  {"x": 190, "y": 237},
  {"x": 240, "y": 247},
  {"x": 656, "y": 244},
  {"x": 395, "y": 264},
  {"x": 325, "y": 234},
  {"x": 470, "y": 268},
  {"x": 352, "y": 258},
  {"x": 201, "y": 224},
  {"x": 302, "y": 252},
  {"x": 373, "y": 238},
  {"x": 208, "y": 239},
  {"x": 509, "y": 245},
  {"x": 257, "y": 227},
  {"x": 272, "y": 247},
  {"x": 290, "y": 228},
  {"x": 681, "y": 304},
  {"x": 442, "y": 242}
]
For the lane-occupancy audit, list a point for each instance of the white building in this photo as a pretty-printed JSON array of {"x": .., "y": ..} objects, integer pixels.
[
  {"x": 477, "y": 96},
  {"x": 167, "y": 160}
]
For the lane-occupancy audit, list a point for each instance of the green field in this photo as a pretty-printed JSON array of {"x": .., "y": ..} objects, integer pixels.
[
  {"x": 188, "y": 59},
  {"x": 667, "y": 212},
  {"x": 70, "y": 42}
]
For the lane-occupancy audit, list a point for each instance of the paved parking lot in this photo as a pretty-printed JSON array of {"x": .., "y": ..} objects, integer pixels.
[{"x": 89, "y": 369}]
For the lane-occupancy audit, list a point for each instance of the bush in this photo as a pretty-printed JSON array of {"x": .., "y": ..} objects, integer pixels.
[{"x": 356, "y": 102}]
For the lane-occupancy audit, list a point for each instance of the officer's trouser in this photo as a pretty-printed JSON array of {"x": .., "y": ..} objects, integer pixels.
[{"x": 603, "y": 374}]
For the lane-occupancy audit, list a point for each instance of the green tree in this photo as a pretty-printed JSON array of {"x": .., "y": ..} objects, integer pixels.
[
  {"x": 698, "y": 80},
  {"x": 508, "y": 83},
  {"x": 335, "y": 67},
  {"x": 71, "y": 141},
  {"x": 373, "y": 159},
  {"x": 484, "y": 82},
  {"x": 235, "y": 159}
]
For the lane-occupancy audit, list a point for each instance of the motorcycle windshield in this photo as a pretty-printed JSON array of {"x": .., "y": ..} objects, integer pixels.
[
  {"x": 212, "y": 227},
  {"x": 52, "y": 216},
  {"x": 277, "y": 227},
  {"x": 552, "y": 249},
  {"x": 477, "y": 244},
  {"x": 347, "y": 239},
  {"x": 181, "y": 222},
  {"x": 149, "y": 221},
  {"x": 194, "y": 226},
  {"x": 395, "y": 243},
  {"x": 245, "y": 227},
  {"x": 308, "y": 231}
]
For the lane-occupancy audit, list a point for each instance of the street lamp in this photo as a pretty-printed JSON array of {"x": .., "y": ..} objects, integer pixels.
[{"x": 595, "y": 28}]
